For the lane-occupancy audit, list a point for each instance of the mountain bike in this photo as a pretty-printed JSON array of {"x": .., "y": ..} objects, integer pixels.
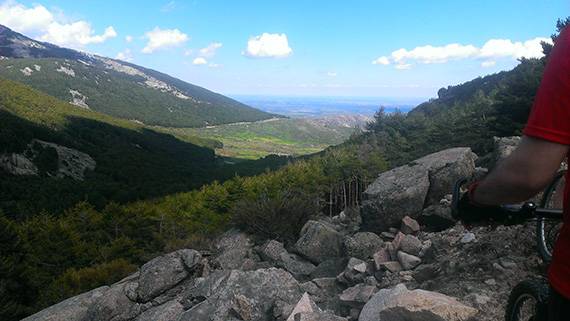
[
  {"x": 547, "y": 229},
  {"x": 528, "y": 300}
]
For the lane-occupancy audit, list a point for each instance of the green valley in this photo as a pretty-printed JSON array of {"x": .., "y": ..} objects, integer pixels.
[{"x": 280, "y": 136}]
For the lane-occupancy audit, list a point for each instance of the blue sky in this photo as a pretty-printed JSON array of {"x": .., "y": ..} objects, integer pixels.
[{"x": 329, "y": 48}]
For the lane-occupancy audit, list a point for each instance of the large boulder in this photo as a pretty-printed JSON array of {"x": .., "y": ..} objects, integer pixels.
[
  {"x": 320, "y": 241},
  {"x": 74, "y": 308},
  {"x": 252, "y": 295},
  {"x": 424, "y": 305},
  {"x": 363, "y": 245},
  {"x": 406, "y": 190},
  {"x": 400, "y": 304},
  {"x": 163, "y": 272},
  {"x": 445, "y": 168},
  {"x": 502, "y": 147},
  {"x": 393, "y": 195},
  {"x": 232, "y": 250}
]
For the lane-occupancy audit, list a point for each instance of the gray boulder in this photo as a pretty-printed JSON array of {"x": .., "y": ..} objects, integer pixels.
[
  {"x": 502, "y": 147},
  {"x": 163, "y": 272},
  {"x": 74, "y": 308},
  {"x": 320, "y": 241},
  {"x": 421, "y": 305},
  {"x": 372, "y": 308},
  {"x": 227, "y": 293},
  {"x": 400, "y": 304},
  {"x": 393, "y": 195},
  {"x": 363, "y": 245},
  {"x": 445, "y": 168},
  {"x": 405, "y": 190},
  {"x": 232, "y": 250}
]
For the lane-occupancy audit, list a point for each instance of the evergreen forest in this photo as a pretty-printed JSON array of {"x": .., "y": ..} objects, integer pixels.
[{"x": 153, "y": 192}]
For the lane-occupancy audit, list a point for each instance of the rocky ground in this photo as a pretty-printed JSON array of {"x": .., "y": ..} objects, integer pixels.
[{"x": 481, "y": 269}]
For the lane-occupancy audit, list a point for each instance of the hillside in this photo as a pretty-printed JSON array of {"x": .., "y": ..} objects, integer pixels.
[
  {"x": 280, "y": 136},
  {"x": 132, "y": 161},
  {"x": 116, "y": 88}
]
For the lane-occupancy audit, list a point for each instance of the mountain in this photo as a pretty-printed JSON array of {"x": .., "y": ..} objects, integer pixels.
[{"x": 115, "y": 87}]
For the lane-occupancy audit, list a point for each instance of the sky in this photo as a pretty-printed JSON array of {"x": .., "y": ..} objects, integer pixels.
[{"x": 395, "y": 48}]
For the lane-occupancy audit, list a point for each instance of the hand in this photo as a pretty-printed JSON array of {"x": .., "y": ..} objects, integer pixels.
[{"x": 472, "y": 214}]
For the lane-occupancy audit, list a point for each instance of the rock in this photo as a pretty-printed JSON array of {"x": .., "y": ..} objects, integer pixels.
[
  {"x": 445, "y": 168},
  {"x": 318, "y": 316},
  {"x": 113, "y": 304},
  {"x": 330, "y": 268},
  {"x": 163, "y": 272},
  {"x": 409, "y": 225},
  {"x": 426, "y": 272},
  {"x": 408, "y": 261},
  {"x": 371, "y": 310},
  {"x": 397, "y": 242},
  {"x": 393, "y": 195},
  {"x": 319, "y": 241},
  {"x": 392, "y": 266},
  {"x": 357, "y": 296},
  {"x": 296, "y": 265},
  {"x": 262, "y": 288},
  {"x": 231, "y": 250},
  {"x": 423, "y": 305},
  {"x": 170, "y": 310},
  {"x": 272, "y": 250},
  {"x": 355, "y": 270},
  {"x": 381, "y": 257},
  {"x": 411, "y": 245},
  {"x": 363, "y": 245},
  {"x": 467, "y": 238},
  {"x": 502, "y": 147},
  {"x": 304, "y": 305},
  {"x": 437, "y": 218},
  {"x": 74, "y": 308}
]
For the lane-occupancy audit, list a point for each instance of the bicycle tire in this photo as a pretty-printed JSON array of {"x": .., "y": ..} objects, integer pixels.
[
  {"x": 528, "y": 301},
  {"x": 547, "y": 229}
]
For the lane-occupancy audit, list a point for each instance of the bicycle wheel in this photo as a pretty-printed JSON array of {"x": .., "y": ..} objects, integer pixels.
[
  {"x": 528, "y": 301},
  {"x": 547, "y": 229}
]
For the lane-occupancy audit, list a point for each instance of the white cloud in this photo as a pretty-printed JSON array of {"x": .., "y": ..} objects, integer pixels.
[
  {"x": 487, "y": 64},
  {"x": 163, "y": 39},
  {"x": 268, "y": 46},
  {"x": 494, "y": 48},
  {"x": 125, "y": 55},
  {"x": 332, "y": 74},
  {"x": 505, "y": 48},
  {"x": 382, "y": 61},
  {"x": 20, "y": 18},
  {"x": 403, "y": 66},
  {"x": 77, "y": 33},
  {"x": 210, "y": 51},
  {"x": 199, "y": 61},
  {"x": 429, "y": 54},
  {"x": 44, "y": 25},
  {"x": 213, "y": 65},
  {"x": 129, "y": 38}
]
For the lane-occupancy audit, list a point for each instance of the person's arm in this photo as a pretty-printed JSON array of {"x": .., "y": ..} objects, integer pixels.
[{"x": 523, "y": 174}]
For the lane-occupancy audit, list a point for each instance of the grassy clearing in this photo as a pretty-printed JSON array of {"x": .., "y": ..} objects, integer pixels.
[{"x": 290, "y": 136}]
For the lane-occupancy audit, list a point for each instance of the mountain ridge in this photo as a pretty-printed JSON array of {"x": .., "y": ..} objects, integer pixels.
[{"x": 115, "y": 87}]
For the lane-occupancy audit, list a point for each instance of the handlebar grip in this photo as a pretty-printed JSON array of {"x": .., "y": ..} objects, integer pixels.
[{"x": 455, "y": 197}]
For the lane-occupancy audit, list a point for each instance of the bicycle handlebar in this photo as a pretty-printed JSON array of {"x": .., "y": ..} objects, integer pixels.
[{"x": 512, "y": 214}]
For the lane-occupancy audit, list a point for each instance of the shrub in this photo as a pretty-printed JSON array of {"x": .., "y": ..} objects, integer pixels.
[{"x": 280, "y": 217}]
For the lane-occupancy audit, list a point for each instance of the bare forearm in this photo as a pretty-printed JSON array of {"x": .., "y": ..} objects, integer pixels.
[{"x": 523, "y": 174}]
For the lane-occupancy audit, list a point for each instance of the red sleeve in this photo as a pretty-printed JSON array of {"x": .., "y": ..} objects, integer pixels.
[{"x": 550, "y": 115}]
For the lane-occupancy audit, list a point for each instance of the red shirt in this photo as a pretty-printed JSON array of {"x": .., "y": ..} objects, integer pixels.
[{"x": 550, "y": 120}]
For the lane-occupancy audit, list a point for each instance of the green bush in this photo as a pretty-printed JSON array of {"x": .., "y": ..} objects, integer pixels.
[{"x": 280, "y": 217}]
